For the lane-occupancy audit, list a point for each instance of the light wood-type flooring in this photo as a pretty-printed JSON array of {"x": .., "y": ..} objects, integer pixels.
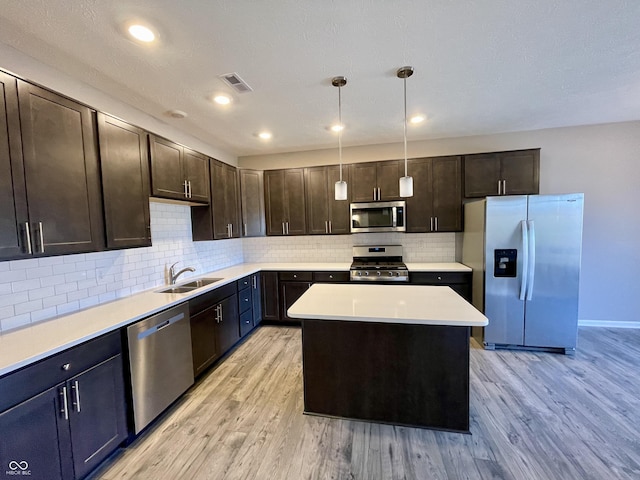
[{"x": 533, "y": 416}]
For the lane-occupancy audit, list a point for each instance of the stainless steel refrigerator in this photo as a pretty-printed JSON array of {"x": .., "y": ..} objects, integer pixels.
[{"x": 525, "y": 253}]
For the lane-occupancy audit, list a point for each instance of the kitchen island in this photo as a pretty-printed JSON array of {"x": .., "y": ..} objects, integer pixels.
[{"x": 394, "y": 354}]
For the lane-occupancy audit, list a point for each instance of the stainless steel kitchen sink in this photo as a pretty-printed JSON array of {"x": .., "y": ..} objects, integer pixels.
[{"x": 189, "y": 286}]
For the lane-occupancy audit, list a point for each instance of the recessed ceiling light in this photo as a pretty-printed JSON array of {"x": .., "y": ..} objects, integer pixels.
[
  {"x": 142, "y": 33},
  {"x": 265, "y": 135},
  {"x": 177, "y": 114},
  {"x": 222, "y": 99},
  {"x": 337, "y": 127},
  {"x": 417, "y": 119}
]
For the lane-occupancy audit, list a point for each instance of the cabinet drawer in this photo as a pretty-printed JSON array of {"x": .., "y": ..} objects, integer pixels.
[
  {"x": 439, "y": 278},
  {"x": 330, "y": 276},
  {"x": 244, "y": 300},
  {"x": 246, "y": 322},
  {"x": 244, "y": 282},
  {"x": 33, "y": 379},
  {"x": 296, "y": 276},
  {"x": 204, "y": 301}
]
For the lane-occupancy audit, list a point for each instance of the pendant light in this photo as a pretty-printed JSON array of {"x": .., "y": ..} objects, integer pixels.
[
  {"x": 406, "y": 182},
  {"x": 341, "y": 185}
]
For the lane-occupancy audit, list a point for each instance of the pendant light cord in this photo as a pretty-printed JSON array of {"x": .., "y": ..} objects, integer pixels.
[
  {"x": 341, "y": 128},
  {"x": 405, "y": 126}
]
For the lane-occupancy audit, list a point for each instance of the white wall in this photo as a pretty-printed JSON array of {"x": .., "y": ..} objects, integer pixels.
[
  {"x": 41, "y": 288},
  {"x": 603, "y": 161}
]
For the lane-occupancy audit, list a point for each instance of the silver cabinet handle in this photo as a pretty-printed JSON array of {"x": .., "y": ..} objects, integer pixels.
[
  {"x": 76, "y": 390},
  {"x": 287, "y": 228},
  {"x": 41, "y": 237},
  {"x": 66, "y": 366},
  {"x": 221, "y": 315},
  {"x": 245, "y": 230},
  {"x": 379, "y": 195},
  {"x": 254, "y": 282},
  {"x": 330, "y": 228},
  {"x": 431, "y": 224},
  {"x": 499, "y": 187},
  {"x": 184, "y": 189},
  {"x": 504, "y": 187},
  {"x": 283, "y": 229},
  {"x": 64, "y": 410},
  {"x": 374, "y": 194},
  {"x": 27, "y": 235},
  {"x": 326, "y": 226},
  {"x": 436, "y": 224},
  {"x": 231, "y": 229},
  {"x": 190, "y": 195}
]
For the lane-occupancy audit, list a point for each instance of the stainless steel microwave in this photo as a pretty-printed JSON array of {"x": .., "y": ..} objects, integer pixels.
[{"x": 378, "y": 217}]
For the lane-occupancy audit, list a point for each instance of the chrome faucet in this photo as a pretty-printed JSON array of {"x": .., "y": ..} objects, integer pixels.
[{"x": 174, "y": 276}]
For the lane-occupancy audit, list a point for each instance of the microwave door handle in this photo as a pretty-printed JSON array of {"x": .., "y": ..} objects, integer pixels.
[{"x": 394, "y": 216}]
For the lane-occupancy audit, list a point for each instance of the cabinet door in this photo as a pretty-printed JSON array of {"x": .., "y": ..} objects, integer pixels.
[
  {"x": 228, "y": 326},
  {"x": 219, "y": 200},
  {"x": 294, "y": 201},
  {"x": 420, "y": 207},
  {"x": 520, "y": 172},
  {"x": 97, "y": 414},
  {"x": 339, "y": 214},
  {"x": 233, "y": 200},
  {"x": 252, "y": 203},
  {"x": 125, "y": 183},
  {"x": 363, "y": 182},
  {"x": 35, "y": 438},
  {"x": 447, "y": 193},
  {"x": 481, "y": 175},
  {"x": 388, "y": 178},
  {"x": 61, "y": 172},
  {"x": 196, "y": 173},
  {"x": 270, "y": 296},
  {"x": 289, "y": 293},
  {"x": 167, "y": 179},
  {"x": 13, "y": 199},
  {"x": 203, "y": 339},
  {"x": 316, "y": 183},
  {"x": 274, "y": 198},
  {"x": 256, "y": 298}
]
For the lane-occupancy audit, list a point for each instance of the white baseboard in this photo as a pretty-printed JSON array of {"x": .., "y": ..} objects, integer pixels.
[{"x": 609, "y": 324}]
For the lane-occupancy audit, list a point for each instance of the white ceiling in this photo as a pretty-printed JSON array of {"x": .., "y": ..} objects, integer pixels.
[{"x": 481, "y": 66}]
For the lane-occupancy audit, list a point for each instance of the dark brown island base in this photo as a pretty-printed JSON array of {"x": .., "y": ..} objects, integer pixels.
[{"x": 387, "y": 354}]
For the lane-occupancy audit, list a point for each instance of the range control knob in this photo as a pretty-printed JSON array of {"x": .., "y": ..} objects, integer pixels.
[
  {"x": 379, "y": 273},
  {"x": 366, "y": 273}
]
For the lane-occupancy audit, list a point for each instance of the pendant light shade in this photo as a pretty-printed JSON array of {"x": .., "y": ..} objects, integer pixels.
[
  {"x": 341, "y": 185},
  {"x": 406, "y": 182}
]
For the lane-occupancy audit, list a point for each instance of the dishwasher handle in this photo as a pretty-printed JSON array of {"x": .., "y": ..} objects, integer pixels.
[{"x": 160, "y": 326}]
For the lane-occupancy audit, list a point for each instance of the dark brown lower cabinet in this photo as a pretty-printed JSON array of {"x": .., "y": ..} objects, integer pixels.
[
  {"x": 292, "y": 286},
  {"x": 66, "y": 429},
  {"x": 460, "y": 282},
  {"x": 270, "y": 296}
]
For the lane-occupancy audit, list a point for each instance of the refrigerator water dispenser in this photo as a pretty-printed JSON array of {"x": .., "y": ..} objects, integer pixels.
[{"x": 504, "y": 264}]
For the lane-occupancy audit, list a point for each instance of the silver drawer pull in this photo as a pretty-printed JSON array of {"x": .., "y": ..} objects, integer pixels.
[
  {"x": 65, "y": 410},
  {"x": 76, "y": 389}
]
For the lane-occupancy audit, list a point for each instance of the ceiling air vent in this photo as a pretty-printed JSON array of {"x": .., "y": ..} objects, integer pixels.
[{"x": 234, "y": 81}]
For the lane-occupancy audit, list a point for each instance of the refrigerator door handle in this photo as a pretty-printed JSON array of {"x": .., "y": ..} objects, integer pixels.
[
  {"x": 532, "y": 259},
  {"x": 525, "y": 259}
]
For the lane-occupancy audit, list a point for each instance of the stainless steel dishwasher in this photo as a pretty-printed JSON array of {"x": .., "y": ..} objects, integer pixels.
[{"x": 160, "y": 361}]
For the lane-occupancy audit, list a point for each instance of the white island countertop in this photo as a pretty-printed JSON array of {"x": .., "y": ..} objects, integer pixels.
[{"x": 404, "y": 304}]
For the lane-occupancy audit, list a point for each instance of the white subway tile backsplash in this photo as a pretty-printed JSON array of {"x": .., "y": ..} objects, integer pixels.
[
  {"x": 15, "y": 322},
  {"x": 28, "y": 307},
  {"x": 13, "y": 276}
]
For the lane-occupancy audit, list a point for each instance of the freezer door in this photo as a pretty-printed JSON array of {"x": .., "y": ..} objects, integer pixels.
[
  {"x": 551, "y": 313},
  {"x": 503, "y": 307}
]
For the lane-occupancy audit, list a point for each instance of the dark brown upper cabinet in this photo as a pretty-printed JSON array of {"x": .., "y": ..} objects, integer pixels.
[
  {"x": 252, "y": 202},
  {"x": 60, "y": 152},
  {"x": 285, "y": 202},
  {"x": 124, "y": 163},
  {"x": 376, "y": 181},
  {"x": 14, "y": 216},
  {"x": 325, "y": 214},
  {"x": 436, "y": 205},
  {"x": 502, "y": 173},
  {"x": 177, "y": 172},
  {"x": 221, "y": 219}
]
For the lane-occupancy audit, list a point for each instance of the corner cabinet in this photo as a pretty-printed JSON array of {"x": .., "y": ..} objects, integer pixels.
[
  {"x": 502, "y": 173},
  {"x": 436, "y": 205},
  {"x": 376, "y": 181},
  {"x": 252, "y": 202},
  {"x": 221, "y": 219},
  {"x": 325, "y": 214},
  {"x": 177, "y": 172},
  {"x": 125, "y": 183},
  {"x": 285, "y": 202},
  {"x": 61, "y": 417}
]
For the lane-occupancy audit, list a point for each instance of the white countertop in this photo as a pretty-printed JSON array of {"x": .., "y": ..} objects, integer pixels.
[
  {"x": 27, "y": 345},
  {"x": 405, "y": 304}
]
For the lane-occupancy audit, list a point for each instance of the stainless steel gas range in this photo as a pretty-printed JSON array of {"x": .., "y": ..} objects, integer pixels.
[{"x": 378, "y": 263}]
